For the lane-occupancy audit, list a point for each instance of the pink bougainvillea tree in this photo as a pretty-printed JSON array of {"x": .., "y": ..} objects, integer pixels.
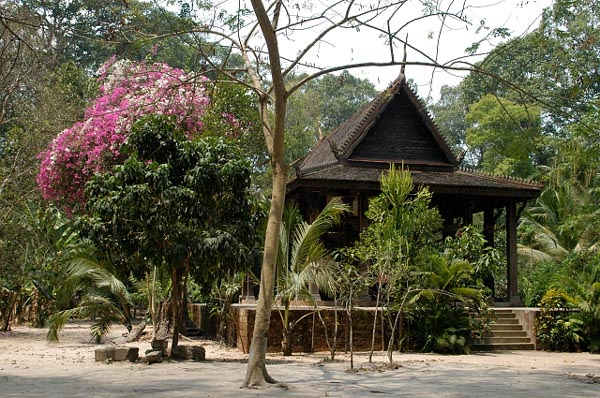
[{"x": 128, "y": 91}]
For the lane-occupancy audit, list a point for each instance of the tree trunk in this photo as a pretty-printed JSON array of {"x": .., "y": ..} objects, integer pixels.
[
  {"x": 274, "y": 134},
  {"x": 176, "y": 294},
  {"x": 379, "y": 285},
  {"x": 256, "y": 373},
  {"x": 134, "y": 335},
  {"x": 11, "y": 308},
  {"x": 286, "y": 342},
  {"x": 349, "y": 306},
  {"x": 162, "y": 326}
]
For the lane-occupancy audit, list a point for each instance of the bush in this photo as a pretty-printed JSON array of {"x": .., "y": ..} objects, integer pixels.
[{"x": 556, "y": 328}]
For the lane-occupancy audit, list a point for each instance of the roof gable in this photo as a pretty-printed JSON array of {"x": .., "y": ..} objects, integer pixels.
[{"x": 393, "y": 128}]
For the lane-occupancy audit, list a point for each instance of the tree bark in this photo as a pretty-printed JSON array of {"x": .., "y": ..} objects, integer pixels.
[
  {"x": 176, "y": 293},
  {"x": 11, "y": 308},
  {"x": 134, "y": 335},
  {"x": 256, "y": 372},
  {"x": 274, "y": 133}
]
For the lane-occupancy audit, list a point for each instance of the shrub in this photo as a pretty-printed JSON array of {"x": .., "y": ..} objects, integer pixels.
[{"x": 556, "y": 328}]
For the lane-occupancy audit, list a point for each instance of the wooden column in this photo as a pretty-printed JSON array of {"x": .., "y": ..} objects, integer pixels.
[
  {"x": 489, "y": 223},
  {"x": 512, "y": 272}
]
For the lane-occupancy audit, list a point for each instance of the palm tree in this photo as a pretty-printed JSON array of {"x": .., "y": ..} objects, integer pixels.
[
  {"x": 88, "y": 288},
  {"x": 96, "y": 293},
  {"x": 441, "y": 304},
  {"x": 304, "y": 260},
  {"x": 563, "y": 221},
  {"x": 584, "y": 294}
]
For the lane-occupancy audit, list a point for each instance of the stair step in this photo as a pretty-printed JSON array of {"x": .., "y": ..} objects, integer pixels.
[
  {"x": 503, "y": 347},
  {"x": 505, "y": 327},
  {"x": 506, "y": 321},
  {"x": 502, "y": 340},
  {"x": 506, "y": 315},
  {"x": 506, "y": 333},
  {"x": 503, "y": 311}
]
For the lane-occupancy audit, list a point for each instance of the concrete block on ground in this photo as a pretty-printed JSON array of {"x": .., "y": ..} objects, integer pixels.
[
  {"x": 197, "y": 353},
  {"x": 153, "y": 356}
]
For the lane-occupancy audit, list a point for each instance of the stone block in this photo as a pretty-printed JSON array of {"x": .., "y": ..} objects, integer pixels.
[
  {"x": 160, "y": 345},
  {"x": 103, "y": 354},
  {"x": 197, "y": 353},
  {"x": 153, "y": 356},
  {"x": 116, "y": 353},
  {"x": 120, "y": 353},
  {"x": 133, "y": 354}
]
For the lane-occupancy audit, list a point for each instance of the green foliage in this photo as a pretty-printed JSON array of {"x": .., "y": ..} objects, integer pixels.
[
  {"x": 89, "y": 289},
  {"x": 555, "y": 327},
  {"x": 583, "y": 293},
  {"x": 303, "y": 259},
  {"x": 435, "y": 290},
  {"x": 471, "y": 246},
  {"x": 505, "y": 135},
  {"x": 402, "y": 224},
  {"x": 174, "y": 203},
  {"x": 180, "y": 200},
  {"x": 220, "y": 299},
  {"x": 450, "y": 116},
  {"x": 439, "y": 311},
  {"x": 564, "y": 219},
  {"x": 536, "y": 279}
]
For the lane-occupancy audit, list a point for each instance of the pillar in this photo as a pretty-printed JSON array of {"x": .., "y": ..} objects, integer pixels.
[
  {"x": 489, "y": 223},
  {"x": 512, "y": 272}
]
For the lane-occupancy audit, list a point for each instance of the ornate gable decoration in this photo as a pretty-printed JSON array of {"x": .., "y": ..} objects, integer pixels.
[{"x": 395, "y": 127}]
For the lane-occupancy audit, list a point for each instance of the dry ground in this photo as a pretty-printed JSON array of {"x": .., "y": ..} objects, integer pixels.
[{"x": 31, "y": 367}]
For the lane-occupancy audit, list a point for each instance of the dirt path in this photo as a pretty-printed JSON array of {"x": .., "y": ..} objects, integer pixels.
[{"x": 31, "y": 367}]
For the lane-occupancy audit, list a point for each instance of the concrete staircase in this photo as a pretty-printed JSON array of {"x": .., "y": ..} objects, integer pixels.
[{"x": 505, "y": 334}]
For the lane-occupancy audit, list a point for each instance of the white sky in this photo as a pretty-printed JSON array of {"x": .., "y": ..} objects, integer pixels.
[
  {"x": 519, "y": 16},
  {"x": 347, "y": 46}
]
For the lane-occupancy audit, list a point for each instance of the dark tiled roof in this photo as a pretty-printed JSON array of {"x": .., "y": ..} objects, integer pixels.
[
  {"x": 342, "y": 142},
  {"x": 395, "y": 127},
  {"x": 459, "y": 181}
]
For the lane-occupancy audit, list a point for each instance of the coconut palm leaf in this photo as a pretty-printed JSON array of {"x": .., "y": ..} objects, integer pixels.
[
  {"x": 564, "y": 220},
  {"x": 96, "y": 293}
]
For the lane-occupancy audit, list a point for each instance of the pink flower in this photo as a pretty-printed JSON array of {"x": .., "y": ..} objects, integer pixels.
[{"x": 129, "y": 90}]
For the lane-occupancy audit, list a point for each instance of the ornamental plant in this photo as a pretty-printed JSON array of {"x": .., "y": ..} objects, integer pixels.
[{"x": 128, "y": 91}]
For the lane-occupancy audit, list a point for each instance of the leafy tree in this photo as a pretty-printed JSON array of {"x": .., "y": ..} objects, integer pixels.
[
  {"x": 504, "y": 135},
  {"x": 555, "y": 328},
  {"x": 27, "y": 240},
  {"x": 173, "y": 203},
  {"x": 583, "y": 293},
  {"x": 564, "y": 219},
  {"x": 304, "y": 260},
  {"x": 402, "y": 228},
  {"x": 556, "y": 64},
  {"x": 440, "y": 306},
  {"x": 129, "y": 91}
]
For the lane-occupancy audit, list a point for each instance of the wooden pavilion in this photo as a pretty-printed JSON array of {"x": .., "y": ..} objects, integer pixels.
[{"x": 395, "y": 128}]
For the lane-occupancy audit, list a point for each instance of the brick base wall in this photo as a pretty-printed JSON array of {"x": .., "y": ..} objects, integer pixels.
[{"x": 310, "y": 333}]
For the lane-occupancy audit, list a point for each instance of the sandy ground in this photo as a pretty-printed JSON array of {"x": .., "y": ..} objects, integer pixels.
[{"x": 31, "y": 367}]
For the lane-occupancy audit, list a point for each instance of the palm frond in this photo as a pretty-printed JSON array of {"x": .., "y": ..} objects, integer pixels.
[{"x": 307, "y": 236}]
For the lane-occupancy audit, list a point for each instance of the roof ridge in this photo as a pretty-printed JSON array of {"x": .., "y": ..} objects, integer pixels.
[{"x": 372, "y": 108}]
